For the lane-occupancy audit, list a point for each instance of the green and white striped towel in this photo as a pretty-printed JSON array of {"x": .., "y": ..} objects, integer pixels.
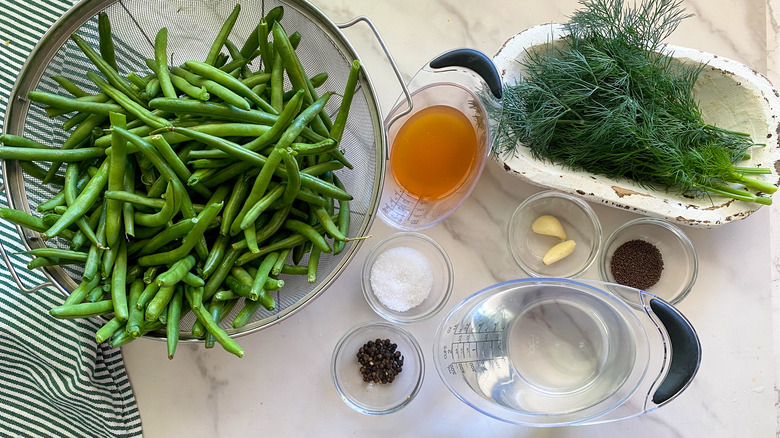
[{"x": 55, "y": 381}]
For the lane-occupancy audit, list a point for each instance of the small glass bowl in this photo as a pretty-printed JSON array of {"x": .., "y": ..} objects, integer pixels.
[
  {"x": 375, "y": 398},
  {"x": 441, "y": 269},
  {"x": 579, "y": 222},
  {"x": 680, "y": 264}
]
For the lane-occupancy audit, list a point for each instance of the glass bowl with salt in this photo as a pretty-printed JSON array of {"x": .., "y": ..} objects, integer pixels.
[{"x": 407, "y": 277}]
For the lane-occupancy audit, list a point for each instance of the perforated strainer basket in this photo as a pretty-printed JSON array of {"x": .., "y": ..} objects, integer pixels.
[{"x": 192, "y": 27}]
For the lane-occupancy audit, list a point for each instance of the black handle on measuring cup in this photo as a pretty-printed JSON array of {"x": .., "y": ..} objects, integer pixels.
[
  {"x": 686, "y": 351},
  {"x": 473, "y": 60}
]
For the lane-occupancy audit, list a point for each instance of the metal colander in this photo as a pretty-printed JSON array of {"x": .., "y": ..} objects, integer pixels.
[{"x": 192, "y": 27}]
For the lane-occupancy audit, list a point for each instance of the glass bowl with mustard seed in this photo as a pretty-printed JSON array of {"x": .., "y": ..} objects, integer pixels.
[
  {"x": 554, "y": 234},
  {"x": 652, "y": 255},
  {"x": 377, "y": 368}
]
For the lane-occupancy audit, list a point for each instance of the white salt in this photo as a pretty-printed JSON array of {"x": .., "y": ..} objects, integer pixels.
[{"x": 401, "y": 278}]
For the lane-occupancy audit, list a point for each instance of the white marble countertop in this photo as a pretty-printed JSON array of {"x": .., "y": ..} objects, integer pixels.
[{"x": 283, "y": 388}]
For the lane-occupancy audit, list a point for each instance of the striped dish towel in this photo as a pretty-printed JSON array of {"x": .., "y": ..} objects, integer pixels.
[{"x": 55, "y": 381}]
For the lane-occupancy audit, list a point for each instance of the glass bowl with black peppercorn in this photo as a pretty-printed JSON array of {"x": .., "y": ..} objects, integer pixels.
[
  {"x": 554, "y": 234},
  {"x": 377, "y": 368},
  {"x": 652, "y": 255}
]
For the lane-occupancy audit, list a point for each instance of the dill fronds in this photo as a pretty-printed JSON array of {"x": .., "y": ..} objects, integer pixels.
[{"x": 607, "y": 102}]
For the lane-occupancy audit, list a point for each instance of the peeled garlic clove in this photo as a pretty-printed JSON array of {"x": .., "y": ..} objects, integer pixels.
[
  {"x": 558, "y": 252},
  {"x": 549, "y": 226}
]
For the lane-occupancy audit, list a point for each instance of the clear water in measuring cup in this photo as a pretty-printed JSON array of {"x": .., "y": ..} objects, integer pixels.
[{"x": 545, "y": 353}]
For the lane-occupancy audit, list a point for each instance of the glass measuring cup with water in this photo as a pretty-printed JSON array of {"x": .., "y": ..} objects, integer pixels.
[
  {"x": 439, "y": 139},
  {"x": 557, "y": 352}
]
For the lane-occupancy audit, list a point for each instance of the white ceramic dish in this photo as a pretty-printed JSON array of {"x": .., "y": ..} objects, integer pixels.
[{"x": 731, "y": 95}]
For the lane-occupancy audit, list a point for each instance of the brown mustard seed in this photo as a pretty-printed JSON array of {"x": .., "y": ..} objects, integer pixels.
[
  {"x": 380, "y": 361},
  {"x": 637, "y": 263}
]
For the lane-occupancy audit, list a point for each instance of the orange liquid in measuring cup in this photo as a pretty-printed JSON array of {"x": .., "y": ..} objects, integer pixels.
[{"x": 434, "y": 152}]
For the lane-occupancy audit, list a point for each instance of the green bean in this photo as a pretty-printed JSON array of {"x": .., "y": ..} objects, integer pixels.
[
  {"x": 314, "y": 260},
  {"x": 118, "y": 280},
  {"x": 229, "y": 82},
  {"x": 81, "y": 310},
  {"x": 216, "y": 255},
  {"x": 257, "y": 79},
  {"x": 257, "y": 289},
  {"x": 135, "y": 316},
  {"x": 286, "y": 117},
  {"x": 189, "y": 241},
  {"x": 280, "y": 260},
  {"x": 219, "y": 334},
  {"x": 82, "y": 203},
  {"x": 176, "y": 231},
  {"x": 215, "y": 309},
  {"x": 226, "y": 146},
  {"x": 309, "y": 232},
  {"x": 148, "y": 293},
  {"x": 152, "y": 88},
  {"x": 195, "y": 295},
  {"x": 138, "y": 81},
  {"x": 295, "y": 269},
  {"x": 40, "y": 262},
  {"x": 192, "y": 279},
  {"x": 222, "y": 36},
  {"x": 166, "y": 213},
  {"x": 54, "y": 155},
  {"x": 116, "y": 175},
  {"x": 69, "y": 86},
  {"x": 330, "y": 227},
  {"x": 23, "y": 219},
  {"x": 250, "y": 236},
  {"x": 273, "y": 225},
  {"x": 293, "y": 177},
  {"x": 213, "y": 87},
  {"x": 156, "y": 306},
  {"x": 65, "y": 254},
  {"x": 212, "y": 109},
  {"x": 128, "y": 104},
  {"x": 237, "y": 196},
  {"x": 134, "y": 198},
  {"x": 176, "y": 272},
  {"x": 322, "y": 147},
  {"x": 175, "y": 163},
  {"x": 105, "y": 40},
  {"x": 74, "y": 121},
  {"x": 246, "y": 313},
  {"x": 108, "y": 329},
  {"x": 128, "y": 183},
  {"x": 199, "y": 93},
  {"x": 287, "y": 242},
  {"x": 161, "y": 61},
  {"x": 172, "y": 326},
  {"x": 260, "y": 206},
  {"x": 81, "y": 291},
  {"x": 70, "y": 105},
  {"x": 296, "y": 73},
  {"x": 116, "y": 81},
  {"x": 343, "y": 217}
]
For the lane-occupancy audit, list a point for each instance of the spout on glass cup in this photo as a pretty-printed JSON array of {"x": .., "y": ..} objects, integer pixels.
[{"x": 429, "y": 174}]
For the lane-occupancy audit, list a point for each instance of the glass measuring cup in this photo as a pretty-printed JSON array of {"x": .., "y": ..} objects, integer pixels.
[
  {"x": 558, "y": 352},
  {"x": 439, "y": 139}
]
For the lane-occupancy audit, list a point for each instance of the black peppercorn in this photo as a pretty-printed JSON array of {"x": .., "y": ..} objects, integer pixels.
[{"x": 380, "y": 361}]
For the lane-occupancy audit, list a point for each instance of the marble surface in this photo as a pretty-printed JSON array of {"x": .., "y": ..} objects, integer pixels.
[{"x": 283, "y": 387}]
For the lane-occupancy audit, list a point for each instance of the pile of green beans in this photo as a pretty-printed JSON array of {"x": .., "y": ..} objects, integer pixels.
[{"x": 189, "y": 188}]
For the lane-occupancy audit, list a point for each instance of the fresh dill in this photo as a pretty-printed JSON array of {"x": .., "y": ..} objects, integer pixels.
[{"x": 606, "y": 101}]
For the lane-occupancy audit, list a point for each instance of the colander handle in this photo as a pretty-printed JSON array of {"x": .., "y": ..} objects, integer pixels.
[{"x": 390, "y": 59}]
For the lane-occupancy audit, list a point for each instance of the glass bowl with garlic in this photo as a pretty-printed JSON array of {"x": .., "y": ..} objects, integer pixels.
[{"x": 553, "y": 234}]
